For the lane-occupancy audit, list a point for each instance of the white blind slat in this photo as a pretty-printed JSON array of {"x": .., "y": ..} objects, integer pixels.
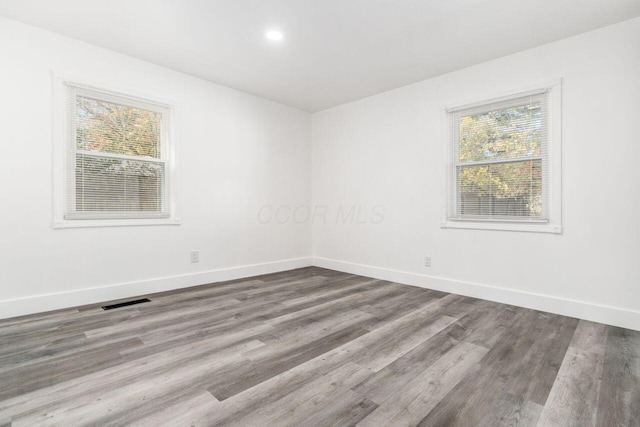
[
  {"x": 499, "y": 154},
  {"x": 116, "y": 163}
]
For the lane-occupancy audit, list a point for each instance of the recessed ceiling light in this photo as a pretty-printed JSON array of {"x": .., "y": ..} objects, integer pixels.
[{"x": 274, "y": 35}]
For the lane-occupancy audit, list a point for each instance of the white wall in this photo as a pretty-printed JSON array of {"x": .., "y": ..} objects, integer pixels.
[
  {"x": 383, "y": 155},
  {"x": 389, "y": 150},
  {"x": 236, "y": 153}
]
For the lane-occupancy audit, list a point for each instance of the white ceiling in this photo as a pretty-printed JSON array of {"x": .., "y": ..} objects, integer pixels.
[{"x": 334, "y": 51}]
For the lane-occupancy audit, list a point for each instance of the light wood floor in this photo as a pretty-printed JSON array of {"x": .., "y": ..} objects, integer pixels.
[{"x": 314, "y": 347}]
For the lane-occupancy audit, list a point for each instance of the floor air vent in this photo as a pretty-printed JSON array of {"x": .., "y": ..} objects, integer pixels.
[{"x": 126, "y": 303}]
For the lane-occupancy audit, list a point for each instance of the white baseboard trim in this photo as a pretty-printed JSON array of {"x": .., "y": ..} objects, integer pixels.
[
  {"x": 60, "y": 300},
  {"x": 568, "y": 307}
]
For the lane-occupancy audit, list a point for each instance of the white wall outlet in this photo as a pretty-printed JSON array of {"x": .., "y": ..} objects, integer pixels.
[
  {"x": 195, "y": 256},
  {"x": 427, "y": 261}
]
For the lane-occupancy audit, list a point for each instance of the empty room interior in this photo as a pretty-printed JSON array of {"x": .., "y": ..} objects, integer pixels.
[{"x": 320, "y": 213}]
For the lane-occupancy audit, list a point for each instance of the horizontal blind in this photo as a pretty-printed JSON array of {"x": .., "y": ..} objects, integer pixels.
[
  {"x": 116, "y": 162},
  {"x": 499, "y": 155}
]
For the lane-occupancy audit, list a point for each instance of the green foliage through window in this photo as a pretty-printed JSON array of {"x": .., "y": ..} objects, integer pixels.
[
  {"x": 118, "y": 129},
  {"x": 500, "y": 155},
  {"x": 119, "y": 166}
]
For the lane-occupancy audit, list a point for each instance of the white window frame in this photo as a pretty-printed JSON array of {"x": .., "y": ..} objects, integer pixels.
[
  {"x": 553, "y": 222},
  {"x": 65, "y": 150}
]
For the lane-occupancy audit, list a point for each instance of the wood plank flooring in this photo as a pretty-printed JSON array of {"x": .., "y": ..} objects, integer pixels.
[{"x": 315, "y": 347}]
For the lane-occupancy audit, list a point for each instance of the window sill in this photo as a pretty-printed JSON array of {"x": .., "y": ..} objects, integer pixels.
[
  {"x": 504, "y": 226},
  {"x": 84, "y": 223}
]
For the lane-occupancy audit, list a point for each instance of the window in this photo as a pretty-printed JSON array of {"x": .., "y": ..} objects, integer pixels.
[
  {"x": 504, "y": 163},
  {"x": 116, "y": 161}
]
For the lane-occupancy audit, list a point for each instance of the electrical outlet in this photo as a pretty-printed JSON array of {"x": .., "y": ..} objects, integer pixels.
[
  {"x": 195, "y": 256},
  {"x": 427, "y": 261}
]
